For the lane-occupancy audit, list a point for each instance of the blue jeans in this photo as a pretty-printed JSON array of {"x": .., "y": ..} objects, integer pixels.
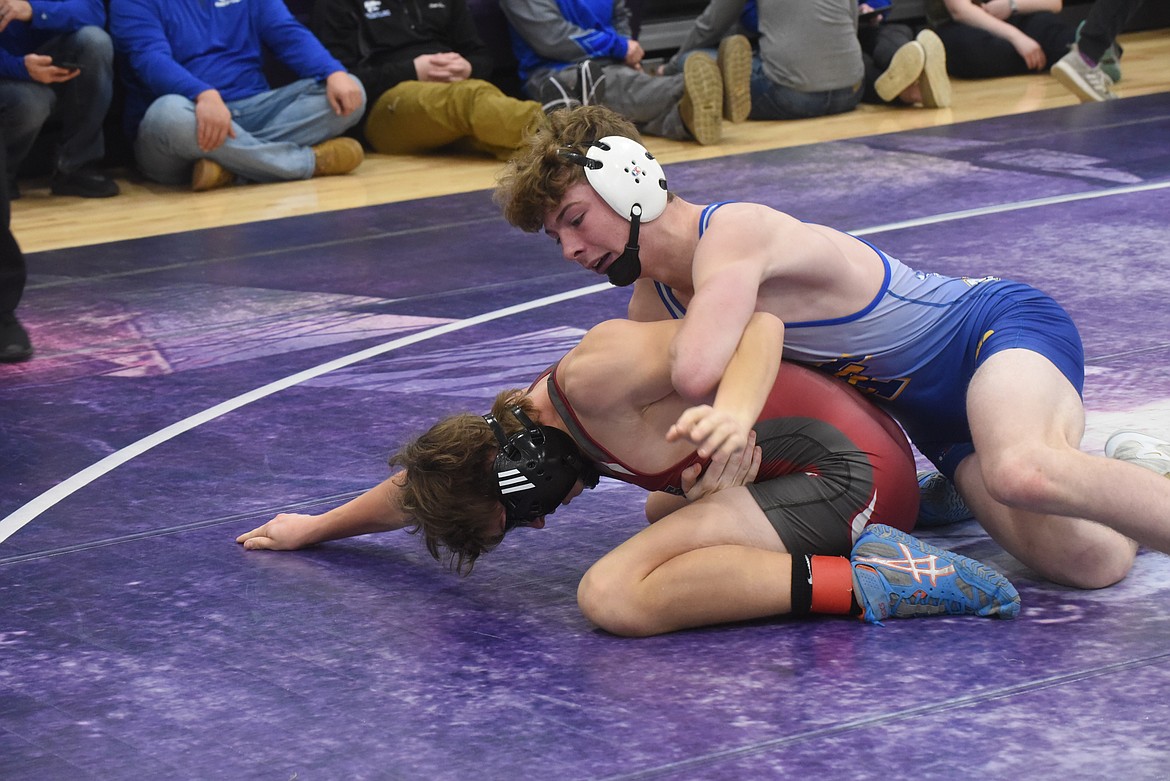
[
  {"x": 274, "y": 131},
  {"x": 774, "y": 101},
  {"x": 81, "y": 103}
]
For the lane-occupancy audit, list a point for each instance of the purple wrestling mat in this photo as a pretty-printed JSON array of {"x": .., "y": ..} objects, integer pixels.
[{"x": 188, "y": 387}]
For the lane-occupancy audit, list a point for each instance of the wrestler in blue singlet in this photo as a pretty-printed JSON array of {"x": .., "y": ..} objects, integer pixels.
[{"x": 916, "y": 346}]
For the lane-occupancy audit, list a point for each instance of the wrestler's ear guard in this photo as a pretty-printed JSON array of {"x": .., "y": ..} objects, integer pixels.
[
  {"x": 535, "y": 469},
  {"x": 632, "y": 182}
]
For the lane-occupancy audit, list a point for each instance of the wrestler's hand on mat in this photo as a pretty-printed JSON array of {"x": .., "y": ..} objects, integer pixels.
[
  {"x": 287, "y": 531},
  {"x": 710, "y": 430},
  {"x": 722, "y": 472}
]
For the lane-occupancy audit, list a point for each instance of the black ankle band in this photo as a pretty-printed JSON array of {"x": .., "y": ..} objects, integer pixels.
[{"x": 801, "y": 585}]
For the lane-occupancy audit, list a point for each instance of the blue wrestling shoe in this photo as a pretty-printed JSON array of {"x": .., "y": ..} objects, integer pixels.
[
  {"x": 939, "y": 504},
  {"x": 898, "y": 576}
]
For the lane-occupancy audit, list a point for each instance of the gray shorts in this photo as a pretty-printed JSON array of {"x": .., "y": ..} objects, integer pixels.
[{"x": 815, "y": 484}]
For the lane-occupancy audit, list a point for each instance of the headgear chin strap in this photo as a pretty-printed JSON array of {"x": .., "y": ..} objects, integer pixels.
[
  {"x": 536, "y": 469},
  {"x": 632, "y": 182}
]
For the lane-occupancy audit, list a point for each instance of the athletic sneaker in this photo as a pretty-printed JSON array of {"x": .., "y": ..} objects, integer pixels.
[
  {"x": 898, "y": 576},
  {"x": 571, "y": 87},
  {"x": 1088, "y": 83},
  {"x": 1110, "y": 61},
  {"x": 1141, "y": 449},
  {"x": 939, "y": 504}
]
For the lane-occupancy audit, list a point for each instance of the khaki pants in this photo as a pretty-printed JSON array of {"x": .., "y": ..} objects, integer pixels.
[{"x": 421, "y": 116}]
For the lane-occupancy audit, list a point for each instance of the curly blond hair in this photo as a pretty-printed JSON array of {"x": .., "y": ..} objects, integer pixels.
[
  {"x": 535, "y": 179},
  {"x": 450, "y": 490}
]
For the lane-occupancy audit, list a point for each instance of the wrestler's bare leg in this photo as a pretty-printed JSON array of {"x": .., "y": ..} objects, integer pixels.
[
  {"x": 1031, "y": 487},
  {"x": 714, "y": 561}
]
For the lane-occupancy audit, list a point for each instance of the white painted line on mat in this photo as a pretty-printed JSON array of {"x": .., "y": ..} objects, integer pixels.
[
  {"x": 23, "y": 515},
  {"x": 1011, "y": 207}
]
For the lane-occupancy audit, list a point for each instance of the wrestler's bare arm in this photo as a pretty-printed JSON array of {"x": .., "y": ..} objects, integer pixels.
[
  {"x": 377, "y": 510},
  {"x": 732, "y": 260},
  {"x": 723, "y": 471},
  {"x": 753, "y": 258},
  {"x": 724, "y": 426},
  {"x": 621, "y": 370}
]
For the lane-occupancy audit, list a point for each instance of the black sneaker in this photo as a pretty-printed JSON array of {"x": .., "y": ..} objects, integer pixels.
[
  {"x": 84, "y": 184},
  {"x": 14, "y": 342}
]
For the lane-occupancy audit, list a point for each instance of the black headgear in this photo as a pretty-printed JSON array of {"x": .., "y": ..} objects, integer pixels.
[
  {"x": 536, "y": 469},
  {"x": 632, "y": 182}
]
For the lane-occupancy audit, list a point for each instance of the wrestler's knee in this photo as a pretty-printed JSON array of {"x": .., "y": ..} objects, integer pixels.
[
  {"x": 1094, "y": 564},
  {"x": 1022, "y": 476},
  {"x": 606, "y": 598}
]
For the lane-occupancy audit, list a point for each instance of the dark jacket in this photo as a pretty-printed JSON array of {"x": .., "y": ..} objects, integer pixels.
[
  {"x": 377, "y": 40},
  {"x": 50, "y": 19}
]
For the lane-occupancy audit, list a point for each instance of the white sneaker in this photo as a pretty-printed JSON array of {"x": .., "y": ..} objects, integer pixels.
[
  {"x": 1140, "y": 449},
  {"x": 1087, "y": 83}
]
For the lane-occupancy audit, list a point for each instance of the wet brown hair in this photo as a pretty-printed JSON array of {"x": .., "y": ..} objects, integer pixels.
[
  {"x": 535, "y": 179},
  {"x": 449, "y": 490}
]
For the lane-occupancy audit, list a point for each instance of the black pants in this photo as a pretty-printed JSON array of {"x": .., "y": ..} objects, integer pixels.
[
  {"x": 12, "y": 269},
  {"x": 1106, "y": 20},
  {"x": 878, "y": 45},
  {"x": 973, "y": 53}
]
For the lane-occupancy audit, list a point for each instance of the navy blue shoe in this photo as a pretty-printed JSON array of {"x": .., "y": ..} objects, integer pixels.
[
  {"x": 898, "y": 576},
  {"x": 939, "y": 504}
]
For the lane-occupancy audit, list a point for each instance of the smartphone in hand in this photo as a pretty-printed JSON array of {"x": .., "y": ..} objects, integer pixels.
[{"x": 69, "y": 66}]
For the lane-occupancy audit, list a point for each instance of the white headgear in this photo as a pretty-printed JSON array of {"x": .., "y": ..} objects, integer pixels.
[
  {"x": 628, "y": 175},
  {"x": 631, "y": 181}
]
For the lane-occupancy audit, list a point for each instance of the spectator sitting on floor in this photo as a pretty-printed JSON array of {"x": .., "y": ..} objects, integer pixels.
[
  {"x": 998, "y": 38},
  {"x": 583, "y": 52},
  {"x": 900, "y": 67},
  {"x": 200, "y": 109},
  {"x": 57, "y": 63},
  {"x": 808, "y": 62},
  {"x": 426, "y": 75}
]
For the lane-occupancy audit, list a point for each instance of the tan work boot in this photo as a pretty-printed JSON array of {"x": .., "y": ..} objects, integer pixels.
[
  {"x": 735, "y": 66},
  {"x": 701, "y": 106},
  {"x": 935, "y": 84},
  {"x": 337, "y": 156},
  {"x": 905, "y": 70},
  {"x": 210, "y": 175}
]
